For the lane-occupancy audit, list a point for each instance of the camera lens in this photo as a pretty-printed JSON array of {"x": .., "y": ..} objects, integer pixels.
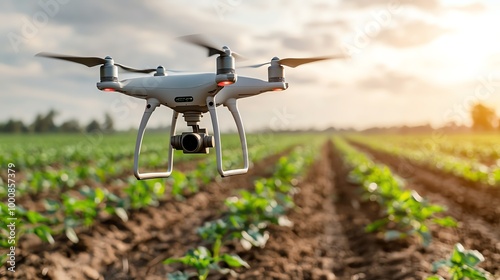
[{"x": 190, "y": 142}]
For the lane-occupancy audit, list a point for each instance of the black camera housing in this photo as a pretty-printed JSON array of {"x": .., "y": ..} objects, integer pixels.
[{"x": 193, "y": 142}]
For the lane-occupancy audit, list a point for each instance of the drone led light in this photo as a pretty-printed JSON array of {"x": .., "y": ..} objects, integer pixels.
[{"x": 225, "y": 83}]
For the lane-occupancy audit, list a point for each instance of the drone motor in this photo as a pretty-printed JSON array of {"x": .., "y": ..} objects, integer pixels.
[
  {"x": 276, "y": 72},
  {"x": 226, "y": 74},
  {"x": 109, "y": 72},
  {"x": 160, "y": 71}
]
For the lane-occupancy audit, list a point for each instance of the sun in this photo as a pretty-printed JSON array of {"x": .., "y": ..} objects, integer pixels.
[{"x": 467, "y": 47}]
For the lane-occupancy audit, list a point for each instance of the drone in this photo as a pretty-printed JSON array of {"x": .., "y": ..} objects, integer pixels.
[{"x": 192, "y": 95}]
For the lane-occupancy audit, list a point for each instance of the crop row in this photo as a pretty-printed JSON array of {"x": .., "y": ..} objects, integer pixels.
[
  {"x": 405, "y": 212},
  {"x": 103, "y": 169},
  {"x": 480, "y": 148},
  {"x": 246, "y": 218},
  {"x": 467, "y": 169},
  {"x": 73, "y": 209}
]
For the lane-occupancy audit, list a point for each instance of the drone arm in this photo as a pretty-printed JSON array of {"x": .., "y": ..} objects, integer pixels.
[
  {"x": 233, "y": 108},
  {"x": 150, "y": 107}
]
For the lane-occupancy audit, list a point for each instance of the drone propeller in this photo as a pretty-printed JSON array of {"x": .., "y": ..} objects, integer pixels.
[
  {"x": 203, "y": 42},
  {"x": 94, "y": 61},
  {"x": 294, "y": 62}
]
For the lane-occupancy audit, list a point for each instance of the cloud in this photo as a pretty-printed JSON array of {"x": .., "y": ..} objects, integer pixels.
[
  {"x": 429, "y": 6},
  {"x": 425, "y": 5},
  {"x": 473, "y": 8},
  {"x": 143, "y": 34},
  {"x": 399, "y": 83},
  {"x": 410, "y": 34}
]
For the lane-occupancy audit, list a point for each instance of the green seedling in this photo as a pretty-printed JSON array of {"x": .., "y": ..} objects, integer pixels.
[
  {"x": 461, "y": 265},
  {"x": 203, "y": 261},
  {"x": 144, "y": 193},
  {"x": 406, "y": 213},
  {"x": 28, "y": 222},
  {"x": 246, "y": 219}
]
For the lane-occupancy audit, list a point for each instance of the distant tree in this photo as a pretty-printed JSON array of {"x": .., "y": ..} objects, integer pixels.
[
  {"x": 109, "y": 124},
  {"x": 483, "y": 118},
  {"x": 93, "y": 126},
  {"x": 70, "y": 126},
  {"x": 43, "y": 124},
  {"x": 13, "y": 126},
  {"x": 36, "y": 126}
]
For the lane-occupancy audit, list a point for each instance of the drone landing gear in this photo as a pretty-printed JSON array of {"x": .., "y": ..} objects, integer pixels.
[
  {"x": 150, "y": 107},
  {"x": 233, "y": 108},
  {"x": 197, "y": 142}
]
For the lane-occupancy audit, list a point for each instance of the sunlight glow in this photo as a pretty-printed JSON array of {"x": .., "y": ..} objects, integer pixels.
[{"x": 466, "y": 49}]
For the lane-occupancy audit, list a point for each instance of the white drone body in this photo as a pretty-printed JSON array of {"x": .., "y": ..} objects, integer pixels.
[{"x": 191, "y": 95}]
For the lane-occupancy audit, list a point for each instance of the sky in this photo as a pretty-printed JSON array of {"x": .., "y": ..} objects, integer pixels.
[{"x": 411, "y": 62}]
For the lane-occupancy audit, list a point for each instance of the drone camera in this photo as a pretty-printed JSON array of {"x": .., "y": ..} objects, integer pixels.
[{"x": 193, "y": 142}]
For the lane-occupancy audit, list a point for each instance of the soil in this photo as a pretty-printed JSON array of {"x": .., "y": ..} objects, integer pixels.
[
  {"x": 327, "y": 239},
  {"x": 113, "y": 249},
  {"x": 476, "y": 207}
]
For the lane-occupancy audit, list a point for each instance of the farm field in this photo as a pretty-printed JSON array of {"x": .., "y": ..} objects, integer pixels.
[{"x": 312, "y": 206}]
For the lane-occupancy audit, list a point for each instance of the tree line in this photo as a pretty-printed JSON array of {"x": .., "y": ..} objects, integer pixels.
[
  {"x": 44, "y": 123},
  {"x": 483, "y": 119}
]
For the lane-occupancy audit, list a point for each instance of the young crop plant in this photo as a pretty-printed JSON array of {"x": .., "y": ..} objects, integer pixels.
[
  {"x": 406, "y": 213},
  {"x": 247, "y": 218},
  {"x": 85, "y": 211},
  {"x": 203, "y": 261},
  {"x": 409, "y": 214},
  {"x": 461, "y": 265},
  {"x": 467, "y": 168},
  {"x": 144, "y": 193},
  {"x": 185, "y": 183},
  {"x": 28, "y": 222}
]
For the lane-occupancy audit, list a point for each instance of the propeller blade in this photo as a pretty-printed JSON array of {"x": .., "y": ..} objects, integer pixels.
[
  {"x": 202, "y": 41},
  {"x": 294, "y": 62},
  {"x": 255, "y": 65},
  {"x": 94, "y": 61},
  {"x": 134, "y": 70},
  {"x": 87, "y": 61}
]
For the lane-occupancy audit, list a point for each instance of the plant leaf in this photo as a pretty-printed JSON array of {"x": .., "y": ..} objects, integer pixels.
[
  {"x": 71, "y": 234},
  {"x": 457, "y": 254},
  {"x": 178, "y": 275},
  {"x": 474, "y": 273},
  {"x": 35, "y": 217},
  {"x": 234, "y": 261},
  {"x": 434, "y": 277},
  {"x": 438, "y": 264},
  {"x": 392, "y": 235},
  {"x": 473, "y": 257},
  {"x": 446, "y": 221},
  {"x": 376, "y": 225},
  {"x": 121, "y": 213}
]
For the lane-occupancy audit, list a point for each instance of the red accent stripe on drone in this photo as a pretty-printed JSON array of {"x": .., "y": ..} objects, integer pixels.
[{"x": 109, "y": 89}]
